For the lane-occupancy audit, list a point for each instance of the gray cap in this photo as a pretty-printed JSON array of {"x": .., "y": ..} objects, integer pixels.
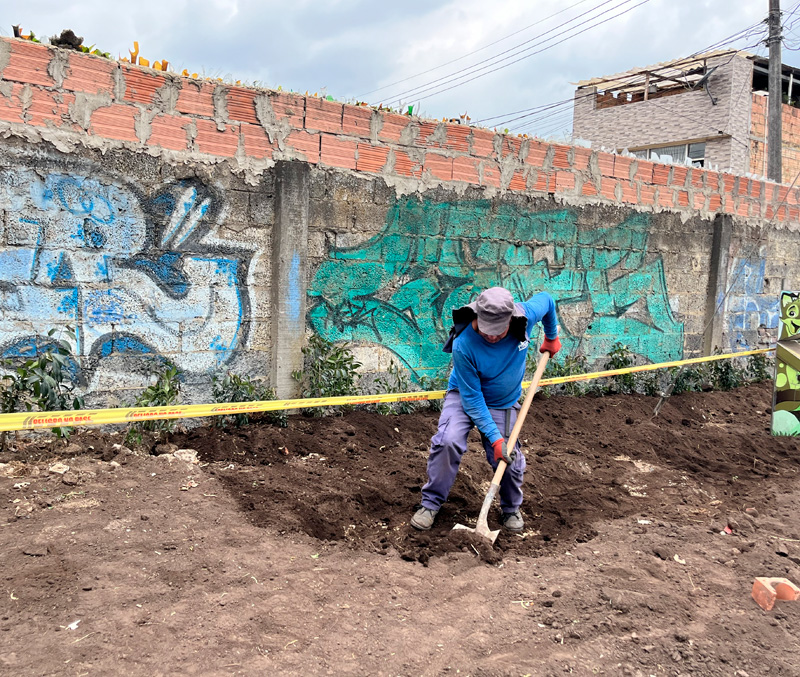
[{"x": 494, "y": 307}]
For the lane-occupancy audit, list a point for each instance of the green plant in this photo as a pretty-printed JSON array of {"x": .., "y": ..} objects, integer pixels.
[
  {"x": 759, "y": 368},
  {"x": 394, "y": 380},
  {"x": 688, "y": 379},
  {"x": 164, "y": 392},
  {"x": 620, "y": 357},
  {"x": 437, "y": 382},
  {"x": 329, "y": 370},
  {"x": 571, "y": 365},
  {"x": 44, "y": 381},
  {"x": 649, "y": 382},
  {"x": 234, "y": 388},
  {"x": 725, "y": 374}
]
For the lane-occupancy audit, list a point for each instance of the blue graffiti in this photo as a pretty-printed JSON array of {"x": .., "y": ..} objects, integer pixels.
[
  {"x": 131, "y": 273},
  {"x": 294, "y": 295},
  {"x": 752, "y": 314}
]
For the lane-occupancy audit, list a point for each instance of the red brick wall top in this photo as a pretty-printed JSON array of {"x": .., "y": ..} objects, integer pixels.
[{"x": 141, "y": 107}]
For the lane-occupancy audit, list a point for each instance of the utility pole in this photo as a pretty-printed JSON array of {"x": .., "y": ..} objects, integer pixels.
[{"x": 774, "y": 135}]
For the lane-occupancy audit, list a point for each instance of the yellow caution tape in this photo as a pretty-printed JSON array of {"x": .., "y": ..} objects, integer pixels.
[{"x": 87, "y": 417}]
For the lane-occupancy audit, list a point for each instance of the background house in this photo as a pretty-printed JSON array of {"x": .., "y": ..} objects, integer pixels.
[{"x": 710, "y": 108}]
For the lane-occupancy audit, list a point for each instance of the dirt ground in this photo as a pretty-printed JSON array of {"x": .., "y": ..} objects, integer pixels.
[{"x": 288, "y": 551}]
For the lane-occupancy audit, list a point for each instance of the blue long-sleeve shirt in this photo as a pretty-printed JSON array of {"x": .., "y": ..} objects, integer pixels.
[{"x": 489, "y": 375}]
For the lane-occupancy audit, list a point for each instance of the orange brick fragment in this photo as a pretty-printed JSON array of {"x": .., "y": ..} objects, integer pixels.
[
  {"x": 537, "y": 151},
  {"x": 241, "y": 106},
  {"x": 256, "y": 141},
  {"x": 491, "y": 173},
  {"x": 11, "y": 105},
  {"x": 518, "y": 181},
  {"x": 622, "y": 167},
  {"x": 405, "y": 166},
  {"x": 169, "y": 131},
  {"x": 48, "y": 107},
  {"x": 439, "y": 166},
  {"x": 336, "y": 153},
  {"x": 214, "y": 142},
  {"x": 608, "y": 188},
  {"x": 767, "y": 590},
  {"x": 28, "y": 62},
  {"x": 195, "y": 98},
  {"x": 561, "y": 157},
  {"x": 605, "y": 161},
  {"x": 141, "y": 86},
  {"x": 679, "y": 175},
  {"x": 305, "y": 143},
  {"x": 458, "y": 137},
  {"x": 324, "y": 116},
  {"x": 426, "y": 130},
  {"x": 482, "y": 143},
  {"x": 356, "y": 121},
  {"x": 392, "y": 127},
  {"x": 115, "y": 122},
  {"x": 90, "y": 74},
  {"x": 644, "y": 171},
  {"x": 466, "y": 169},
  {"x": 371, "y": 158},
  {"x": 581, "y": 157},
  {"x": 565, "y": 181}
]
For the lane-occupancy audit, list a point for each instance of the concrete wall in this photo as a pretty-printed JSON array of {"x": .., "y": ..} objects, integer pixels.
[
  {"x": 683, "y": 117},
  {"x": 216, "y": 225}
]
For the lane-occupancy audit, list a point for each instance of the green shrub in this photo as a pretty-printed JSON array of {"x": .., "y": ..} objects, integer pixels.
[
  {"x": 394, "y": 380},
  {"x": 570, "y": 366},
  {"x": 620, "y": 357},
  {"x": 432, "y": 383},
  {"x": 688, "y": 379},
  {"x": 725, "y": 374},
  {"x": 329, "y": 370},
  {"x": 234, "y": 388},
  {"x": 44, "y": 381},
  {"x": 649, "y": 382},
  {"x": 759, "y": 368},
  {"x": 164, "y": 392}
]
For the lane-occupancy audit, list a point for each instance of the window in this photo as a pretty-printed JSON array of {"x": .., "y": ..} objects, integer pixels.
[{"x": 696, "y": 152}]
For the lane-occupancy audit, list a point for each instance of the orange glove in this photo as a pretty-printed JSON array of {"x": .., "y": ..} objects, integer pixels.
[
  {"x": 501, "y": 451},
  {"x": 551, "y": 346}
]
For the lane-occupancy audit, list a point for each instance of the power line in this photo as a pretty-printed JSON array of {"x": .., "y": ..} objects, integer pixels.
[
  {"x": 745, "y": 32},
  {"x": 527, "y": 56},
  {"x": 480, "y": 49},
  {"x": 493, "y": 61}
]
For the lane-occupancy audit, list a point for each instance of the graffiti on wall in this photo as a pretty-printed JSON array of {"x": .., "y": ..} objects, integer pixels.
[
  {"x": 133, "y": 273},
  {"x": 786, "y": 402},
  {"x": 399, "y": 288},
  {"x": 752, "y": 315}
]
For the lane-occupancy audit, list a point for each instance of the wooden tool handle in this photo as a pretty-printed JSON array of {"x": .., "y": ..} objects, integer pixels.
[{"x": 523, "y": 412}]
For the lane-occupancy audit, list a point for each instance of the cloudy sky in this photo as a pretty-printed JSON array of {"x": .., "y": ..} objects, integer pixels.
[{"x": 446, "y": 58}]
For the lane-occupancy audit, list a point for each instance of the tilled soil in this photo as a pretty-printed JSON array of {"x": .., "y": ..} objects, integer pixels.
[{"x": 288, "y": 551}]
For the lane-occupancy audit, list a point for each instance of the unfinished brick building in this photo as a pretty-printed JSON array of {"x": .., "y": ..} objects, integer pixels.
[{"x": 709, "y": 108}]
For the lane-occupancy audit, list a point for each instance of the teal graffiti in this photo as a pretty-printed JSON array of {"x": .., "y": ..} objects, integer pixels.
[{"x": 399, "y": 288}]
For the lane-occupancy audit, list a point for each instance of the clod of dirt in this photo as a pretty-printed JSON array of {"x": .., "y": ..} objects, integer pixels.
[
  {"x": 466, "y": 540},
  {"x": 67, "y": 39}
]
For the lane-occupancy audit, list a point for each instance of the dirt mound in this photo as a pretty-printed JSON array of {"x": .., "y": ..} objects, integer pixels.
[{"x": 357, "y": 478}]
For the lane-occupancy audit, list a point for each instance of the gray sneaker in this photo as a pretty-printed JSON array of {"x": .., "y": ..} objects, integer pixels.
[
  {"x": 423, "y": 519},
  {"x": 512, "y": 521}
]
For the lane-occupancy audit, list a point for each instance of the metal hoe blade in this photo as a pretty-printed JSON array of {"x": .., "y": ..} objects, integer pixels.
[{"x": 482, "y": 527}]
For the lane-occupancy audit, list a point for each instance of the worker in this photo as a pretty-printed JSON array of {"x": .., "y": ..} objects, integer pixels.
[{"x": 489, "y": 342}]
